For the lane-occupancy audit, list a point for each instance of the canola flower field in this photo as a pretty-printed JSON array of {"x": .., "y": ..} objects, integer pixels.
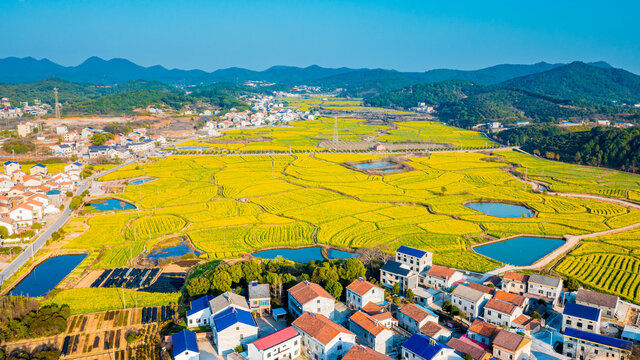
[{"x": 233, "y": 205}]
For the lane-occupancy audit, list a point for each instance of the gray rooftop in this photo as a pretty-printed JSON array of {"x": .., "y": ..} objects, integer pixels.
[
  {"x": 468, "y": 293},
  {"x": 259, "y": 291},
  {"x": 545, "y": 280},
  {"x": 225, "y": 300}
]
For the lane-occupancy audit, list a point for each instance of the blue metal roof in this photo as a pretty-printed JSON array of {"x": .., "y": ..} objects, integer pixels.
[
  {"x": 183, "y": 341},
  {"x": 598, "y": 339},
  {"x": 10, "y": 162},
  {"x": 424, "y": 346},
  {"x": 53, "y": 192},
  {"x": 581, "y": 311},
  {"x": 231, "y": 316},
  {"x": 411, "y": 251},
  {"x": 38, "y": 165},
  {"x": 199, "y": 304},
  {"x": 77, "y": 164},
  {"x": 395, "y": 267}
]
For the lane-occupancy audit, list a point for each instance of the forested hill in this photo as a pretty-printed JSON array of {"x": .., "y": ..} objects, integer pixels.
[
  {"x": 579, "y": 81},
  {"x": 610, "y": 147}
]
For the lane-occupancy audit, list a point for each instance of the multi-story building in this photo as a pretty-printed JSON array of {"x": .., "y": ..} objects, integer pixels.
[
  {"x": 393, "y": 272},
  {"x": 310, "y": 297},
  {"x": 416, "y": 259},
  {"x": 501, "y": 313},
  {"x": 544, "y": 287},
  {"x": 359, "y": 352},
  {"x": 511, "y": 346},
  {"x": 440, "y": 277},
  {"x": 436, "y": 331},
  {"x": 232, "y": 327},
  {"x": 412, "y": 317},
  {"x": 185, "y": 346},
  {"x": 469, "y": 301},
  {"x": 515, "y": 282},
  {"x": 200, "y": 312},
  {"x": 422, "y": 347},
  {"x": 361, "y": 292},
  {"x": 482, "y": 331},
  {"x": 322, "y": 339},
  {"x": 580, "y": 344},
  {"x": 371, "y": 333},
  {"x": 608, "y": 304},
  {"x": 259, "y": 298},
  {"x": 282, "y": 344},
  {"x": 581, "y": 317}
]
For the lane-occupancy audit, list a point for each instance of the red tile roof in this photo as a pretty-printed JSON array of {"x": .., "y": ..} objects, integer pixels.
[
  {"x": 319, "y": 327},
  {"x": 276, "y": 338},
  {"x": 306, "y": 291},
  {"x": 359, "y": 352},
  {"x": 361, "y": 286},
  {"x": 480, "y": 287},
  {"x": 367, "y": 323},
  {"x": 500, "y": 306},
  {"x": 514, "y": 299},
  {"x": 516, "y": 276},
  {"x": 371, "y": 308},
  {"x": 415, "y": 312},
  {"x": 483, "y": 328},
  {"x": 510, "y": 341},
  {"x": 382, "y": 316},
  {"x": 431, "y": 329},
  {"x": 465, "y": 348},
  {"x": 441, "y": 272}
]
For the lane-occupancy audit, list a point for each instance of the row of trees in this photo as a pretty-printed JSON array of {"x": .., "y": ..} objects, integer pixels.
[{"x": 22, "y": 318}]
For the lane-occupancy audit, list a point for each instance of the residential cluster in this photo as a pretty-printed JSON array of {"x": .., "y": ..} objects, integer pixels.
[
  {"x": 502, "y": 318},
  {"x": 26, "y": 199},
  {"x": 37, "y": 109},
  {"x": 120, "y": 147}
]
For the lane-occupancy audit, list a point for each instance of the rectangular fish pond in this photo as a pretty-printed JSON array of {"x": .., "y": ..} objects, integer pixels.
[
  {"x": 304, "y": 255},
  {"x": 520, "y": 251},
  {"x": 47, "y": 275}
]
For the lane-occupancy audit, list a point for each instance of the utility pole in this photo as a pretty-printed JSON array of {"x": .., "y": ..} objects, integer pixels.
[
  {"x": 57, "y": 104},
  {"x": 335, "y": 130},
  {"x": 124, "y": 304}
]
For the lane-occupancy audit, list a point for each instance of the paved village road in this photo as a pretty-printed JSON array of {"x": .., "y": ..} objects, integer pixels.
[{"x": 38, "y": 243}]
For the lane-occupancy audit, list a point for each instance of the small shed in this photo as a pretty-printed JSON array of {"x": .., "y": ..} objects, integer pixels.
[{"x": 277, "y": 313}]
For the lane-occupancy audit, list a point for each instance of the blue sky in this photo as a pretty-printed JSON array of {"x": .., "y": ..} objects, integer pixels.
[{"x": 402, "y": 35}]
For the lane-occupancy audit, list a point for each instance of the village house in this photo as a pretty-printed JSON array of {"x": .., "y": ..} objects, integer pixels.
[
  {"x": 232, "y": 327},
  {"x": 8, "y": 224},
  {"x": 393, "y": 272},
  {"x": 200, "y": 312},
  {"x": 464, "y": 348},
  {"x": 427, "y": 296},
  {"x": 361, "y": 292},
  {"x": 73, "y": 167},
  {"x": 31, "y": 181},
  {"x": 38, "y": 169},
  {"x": 579, "y": 344},
  {"x": 422, "y": 347},
  {"x": 631, "y": 333},
  {"x": 581, "y": 317},
  {"x": 322, "y": 339},
  {"x": 436, "y": 331},
  {"x": 482, "y": 331},
  {"x": 371, "y": 333},
  {"x": 416, "y": 259},
  {"x": 185, "y": 345},
  {"x": 514, "y": 282},
  {"x": 22, "y": 215},
  {"x": 469, "y": 301},
  {"x": 608, "y": 304},
  {"x": 386, "y": 319},
  {"x": 412, "y": 317},
  {"x": 259, "y": 298},
  {"x": 359, "y": 352},
  {"x": 544, "y": 287},
  {"x": 501, "y": 313},
  {"x": 480, "y": 287},
  {"x": 440, "y": 277},
  {"x": 310, "y": 297},
  {"x": 18, "y": 176},
  {"x": 10, "y": 167},
  {"x": 282, "y": 344},
  {"x": 526, "y": 324},
  {"x": 511, "y": 346},
  {"x": 514, "y": 299}
]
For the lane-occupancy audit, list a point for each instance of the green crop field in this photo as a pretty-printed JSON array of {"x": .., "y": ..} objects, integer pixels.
[
  {"x": 102, "y": 299},
  {"x": 233, "y": 205},
  {"x": 607, "y": 263},
  {"x": 305, "y": 136}
]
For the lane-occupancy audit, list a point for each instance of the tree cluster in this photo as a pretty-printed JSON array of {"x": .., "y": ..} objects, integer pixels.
[{"x": 22, "y": 318}]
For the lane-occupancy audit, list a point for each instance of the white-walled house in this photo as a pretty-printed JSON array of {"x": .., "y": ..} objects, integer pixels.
[
  {"x": 440, "y": 277},
  {"x": 422, "y": 347},
  {"x": 22, "y": 215},
  {"x": 416, "y": 259},
  {"x": 393, "y": 272},
  {"x": 412, "y": 317},
  {"x": 514, "y": 282},
  {"x": 282, "y": 344},
  {"x": 310, "y": 297},
  {"x": 232, "y": 327},
  {"x": 544, "y": 287},
  {"x": 371, "y": 333},
  {"x": 608, "y": 304},
  {"x": 200, "y": 312},
  {"x": 470, "y": 301},
  {"x": 322, "y": 339},
  {"x": 581, "y": 317},
  {"x": 185, "y": 346},
  {"x": 501, "y": 313},
  {"x": 362, "y": 292},
  {"x": 10, "y": 167}
]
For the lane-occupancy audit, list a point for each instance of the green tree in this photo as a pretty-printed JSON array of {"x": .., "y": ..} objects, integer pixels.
[
  {"x": 198, "y": 286},
  {"x": 323, "y": 274},
  {"x": 36, "y": 226},
  {"x": 251, "y": 270},
  {"x": 220, "y": 281},
  {"x": 98, "y": 139},
  {"x": 76, "y": 202},
  {"x": 334, "y": 288},
  {"x": 352, "y": 269},
  {"x": 236, "y": 273},
  {"x": 446, "y": 306},
  {"x": 536, "y": 315},
  {"x": 409, "y": 295},
  {"x": 288, "y": 280},
  {"x": 396, "y": 288},
  {"x": 573, "y": 284},
  {"x": 468, "y": 357},
  {"x": 4, "y": 233}
]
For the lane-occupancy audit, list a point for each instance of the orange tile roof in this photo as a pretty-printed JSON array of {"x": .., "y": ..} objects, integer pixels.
[
  {"x": 500, "y": 306},
  {"x": 441, "y": 272},
  {"x": 382, "y": 316},
  {"x": 415, "y": 312},
  {"x": 510, "y": 341},
  {"x": 306, "y": 291},
  {"x": 367, "y": 323},
  {"x": 431, "y": 329},
  {"x": 319, "y": 327},
  {"x": 359, "y": 352},
  {"x": 483, "y": 328},
  {"x": 467, "y": 348},
  {"x": 480, "y": 287},
  {"x": 361, "y": 287},
  {"x": 371, "y": 308},
  {"x": 516, "y": 276},
  {"x": 527, "y": 322},
  {"x": 514, "y": 299}
]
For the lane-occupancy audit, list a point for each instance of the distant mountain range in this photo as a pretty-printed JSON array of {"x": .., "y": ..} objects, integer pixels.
[{"x": 355, "y": 81}]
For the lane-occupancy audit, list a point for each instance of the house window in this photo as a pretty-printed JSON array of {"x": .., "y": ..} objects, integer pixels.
[
  {"x": 568, "y": 322},
  {"x": 590, "y": 327}
]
